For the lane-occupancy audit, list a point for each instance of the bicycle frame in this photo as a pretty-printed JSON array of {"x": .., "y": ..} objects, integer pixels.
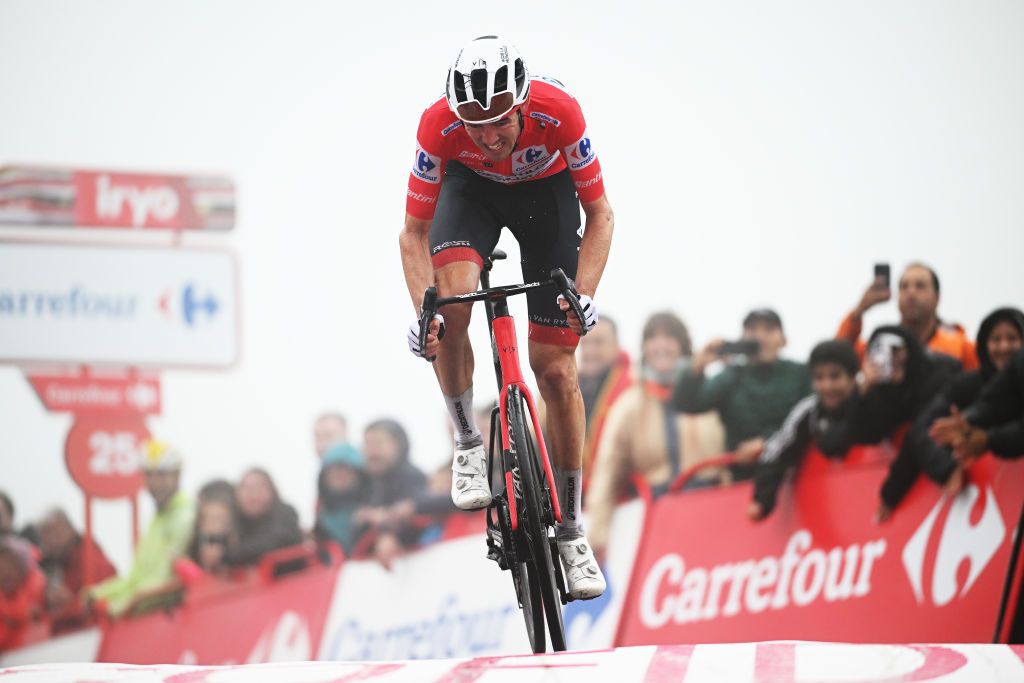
[
  {"x": 509, "y": 372},
  {"x": 506, "y": 357}
]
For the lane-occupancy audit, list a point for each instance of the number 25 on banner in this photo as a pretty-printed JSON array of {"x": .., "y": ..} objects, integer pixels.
[{"x": 102, "y": 454}]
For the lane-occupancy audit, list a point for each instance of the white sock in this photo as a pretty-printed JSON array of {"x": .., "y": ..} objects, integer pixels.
[
  {"x": 460, "y": 408},
  {"x": 570, "y": 498}
]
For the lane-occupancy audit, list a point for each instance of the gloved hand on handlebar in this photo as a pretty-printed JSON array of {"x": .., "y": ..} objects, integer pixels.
[
  {"x": 434, "y": 335},
  {"x": 590, "y": 316}
]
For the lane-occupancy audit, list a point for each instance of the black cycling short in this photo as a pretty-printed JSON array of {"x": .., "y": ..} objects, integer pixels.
[{"x": 544, "y": 217}]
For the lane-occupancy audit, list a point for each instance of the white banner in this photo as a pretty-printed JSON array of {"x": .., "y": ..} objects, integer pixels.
[
  {"x": 442, "y": 602},
  {"x": 121, "y": 305}
]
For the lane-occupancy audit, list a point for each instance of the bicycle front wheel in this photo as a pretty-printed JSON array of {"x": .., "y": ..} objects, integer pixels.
[{"x": 535, "y": 499}]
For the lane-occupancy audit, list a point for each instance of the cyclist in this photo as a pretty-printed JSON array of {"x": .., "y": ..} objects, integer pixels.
[{"x": 504, "y": 149}]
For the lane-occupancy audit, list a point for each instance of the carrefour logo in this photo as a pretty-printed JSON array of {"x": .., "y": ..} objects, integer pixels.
[
  {"x": 529, "y": 157},
  {"x": 425, "y": 164},
  {"x": 193, "y": 307},
  {"x": 936, "y": 553},
  {"x": 581, "y": 153},
  {"x": 427, "y": 167}
]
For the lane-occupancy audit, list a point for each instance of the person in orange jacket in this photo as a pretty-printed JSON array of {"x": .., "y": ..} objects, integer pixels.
[{"x": 918, "y": 304}]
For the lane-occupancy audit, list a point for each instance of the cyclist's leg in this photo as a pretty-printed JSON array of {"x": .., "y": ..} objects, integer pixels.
[
  {"x": 463, "y": 232},
  {"x": 549, "y": 237}
]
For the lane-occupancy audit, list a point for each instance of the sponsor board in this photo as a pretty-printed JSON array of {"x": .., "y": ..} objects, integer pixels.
[
  {"x": 102, "y": 454},
  {"x": 445, "y": 601},
  {"x": 820, "y": 568},
  {"x": 86, "y": 393},
  {"x": 111, "y": 199},
  {"x": 280, "y": 621},
  {"x": 117, "y": 305},
  {"x": 81, "y": 646}
]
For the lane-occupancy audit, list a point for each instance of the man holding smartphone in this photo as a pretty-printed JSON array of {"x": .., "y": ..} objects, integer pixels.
[
  {"x": 755, "y": 391},
  {"x": 918, "y": 305}
]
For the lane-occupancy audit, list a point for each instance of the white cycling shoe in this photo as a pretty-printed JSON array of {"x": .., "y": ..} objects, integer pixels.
[
  {"x": 469, "y": 479},
  {"x": 583, "y": 576}
]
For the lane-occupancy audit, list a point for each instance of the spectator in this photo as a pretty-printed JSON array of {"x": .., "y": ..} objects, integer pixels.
[
  {"x": 215, "y": 535},
  {"x": 995, "y": 421},
  {"x": 63, "y": 563},
  {"x": 821, "y": 419},
  {"x": 392, "y": 478},
  {"x": 265, "y": 522},
  {"x": 436, "y": 499},
  {"x": 6, "y": 514},
  {"x": 342, "y": 491},
  {"x": 999, "y": 337},
  {"x": 604, "y": 375},
  {"x": 752, "y": 398},
  {"x": 166, "y": 538},
  {"x": 644, "y": 435},
  {"x": 329, "y": 429},
  {"x": 22, "y": 591},
  {"x": 918, "y": 305}
]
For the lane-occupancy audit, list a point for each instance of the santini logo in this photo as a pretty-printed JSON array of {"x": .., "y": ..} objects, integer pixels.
[{"x": 933, "y": 571}]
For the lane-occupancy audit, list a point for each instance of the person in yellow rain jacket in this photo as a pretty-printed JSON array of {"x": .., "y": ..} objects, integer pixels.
[{"x": 166, "y": 538}]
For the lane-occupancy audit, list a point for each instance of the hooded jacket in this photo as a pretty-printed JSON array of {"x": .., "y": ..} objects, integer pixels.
[
  {"x": 999, "y": 409},
  {"x": 919, "y": 452}
]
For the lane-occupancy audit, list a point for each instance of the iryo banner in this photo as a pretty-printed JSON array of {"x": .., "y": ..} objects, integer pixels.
[
  {"x": 117, "y": 305},
  {"x": 32, "y": 195}
]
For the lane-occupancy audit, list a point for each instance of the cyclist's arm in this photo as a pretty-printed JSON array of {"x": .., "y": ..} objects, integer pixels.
[
  {"x": 597, "y": 241},
  {"x": 414, "y": 241}
]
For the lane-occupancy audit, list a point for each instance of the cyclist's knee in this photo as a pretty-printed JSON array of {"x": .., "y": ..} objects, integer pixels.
[
  {"x": 457, "y": 278},
  {"x": 555, "y": 369}
]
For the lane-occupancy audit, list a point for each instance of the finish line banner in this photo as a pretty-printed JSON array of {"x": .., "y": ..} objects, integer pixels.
[{"x": 117, "y": 305}]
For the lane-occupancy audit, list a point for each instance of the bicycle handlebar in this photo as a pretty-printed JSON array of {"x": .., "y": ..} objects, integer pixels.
[{"x": 559, "y": 280}]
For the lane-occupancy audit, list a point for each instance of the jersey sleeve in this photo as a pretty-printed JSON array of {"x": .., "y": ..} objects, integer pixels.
[
  {"x": 579, "y": 153},
  {"x": 427, "y": 171}
]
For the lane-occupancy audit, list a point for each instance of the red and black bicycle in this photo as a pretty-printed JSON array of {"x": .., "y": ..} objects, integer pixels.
[{"x": 523, "y": 512}]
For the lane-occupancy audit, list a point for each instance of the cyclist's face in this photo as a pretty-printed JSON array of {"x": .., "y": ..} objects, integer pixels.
[{"x": 496, "y": 140}]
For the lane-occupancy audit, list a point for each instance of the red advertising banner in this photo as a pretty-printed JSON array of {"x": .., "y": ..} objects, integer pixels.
[
  {"x": 820, "y": 568},
  {"x": 282, "y": 621},
  {"x": 103, "y": 453},
  {"x": 81, "y": 393},
  {"x": 111, "y": 199}
]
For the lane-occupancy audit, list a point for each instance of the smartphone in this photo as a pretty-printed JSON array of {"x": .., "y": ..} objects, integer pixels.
[
  {"x": 743, "y": 347},
  {"x": 882, "y": 272}
]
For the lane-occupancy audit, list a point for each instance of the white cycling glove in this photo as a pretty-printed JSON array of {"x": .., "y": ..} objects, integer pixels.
[
  {"x": 413, "y": 336},
  {"x": 590, "y": 316}
]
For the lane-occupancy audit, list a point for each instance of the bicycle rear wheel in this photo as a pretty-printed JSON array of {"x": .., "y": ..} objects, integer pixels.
[{"x": 540, "y": 568}]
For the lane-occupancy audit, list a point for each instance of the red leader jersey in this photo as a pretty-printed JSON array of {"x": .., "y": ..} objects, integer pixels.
[{"x": 554, "y": 137}]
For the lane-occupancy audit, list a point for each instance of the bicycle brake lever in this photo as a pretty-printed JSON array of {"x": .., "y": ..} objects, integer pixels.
[
  {"x": 427, "y": 311},
  {"x": 568, "y": 289}
]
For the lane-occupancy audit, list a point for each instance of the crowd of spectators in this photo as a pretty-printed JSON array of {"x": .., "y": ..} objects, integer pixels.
[
  {"x": 939, "y": 398},
  {"x": 672, "y": 420}
]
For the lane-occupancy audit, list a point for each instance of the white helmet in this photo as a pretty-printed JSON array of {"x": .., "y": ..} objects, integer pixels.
[{"x": 487, "y": 80}]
